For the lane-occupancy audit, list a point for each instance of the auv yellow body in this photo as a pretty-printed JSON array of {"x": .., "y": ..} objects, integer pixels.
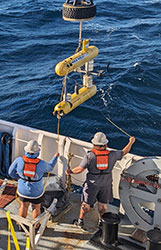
[
  {"x": 84, "y": 94},
  {"x": 77, "y": 60}
]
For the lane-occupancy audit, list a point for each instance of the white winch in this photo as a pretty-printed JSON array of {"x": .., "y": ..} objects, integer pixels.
[{"x": 140, "y": 193}]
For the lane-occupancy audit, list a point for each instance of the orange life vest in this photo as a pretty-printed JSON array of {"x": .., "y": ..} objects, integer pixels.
[
  {"x": 30, "y": 166},
  {"x": 101, "y": 158}
]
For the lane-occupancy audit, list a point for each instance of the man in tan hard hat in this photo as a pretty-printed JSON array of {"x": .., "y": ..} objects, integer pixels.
[
  {"x": 98, "y": 185},
  {"x": 29, "y": 170}
]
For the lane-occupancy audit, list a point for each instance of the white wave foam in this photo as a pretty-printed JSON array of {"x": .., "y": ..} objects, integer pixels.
[{"x": 105, "y": 93}]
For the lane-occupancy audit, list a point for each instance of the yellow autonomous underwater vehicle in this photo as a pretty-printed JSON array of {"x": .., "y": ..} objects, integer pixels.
[
  {"x": 77, "y": 11},
  {"x": 74, "y": 63},
  {"x": 77, "y": 60}
]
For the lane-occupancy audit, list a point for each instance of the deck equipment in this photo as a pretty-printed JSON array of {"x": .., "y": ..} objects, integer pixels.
[
  {"x": 5, "y": 153},
  {"x": 80, "y": 11},
  {"x": 140, "y": 193}
]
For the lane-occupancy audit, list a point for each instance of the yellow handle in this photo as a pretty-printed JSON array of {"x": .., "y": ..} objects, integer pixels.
[
  {"x": 9, "y": 241},
  {"x": 84, "y": 43},
  {"x": 27, "y": 243},
  {"x": 11, "y": 228}
]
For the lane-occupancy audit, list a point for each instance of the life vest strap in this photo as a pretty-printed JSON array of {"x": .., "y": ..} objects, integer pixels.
[
  {"x": 30, "y": 160},
  {"x": 99, "y": 173},
  {"x": 30, "y": 180},
  {"x": 100, "y": 152}
]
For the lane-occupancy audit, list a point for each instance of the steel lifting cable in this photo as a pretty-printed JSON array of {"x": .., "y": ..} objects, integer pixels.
[
  {"x": 64, "y": 87},
  {"x": 80, "y": 37}
]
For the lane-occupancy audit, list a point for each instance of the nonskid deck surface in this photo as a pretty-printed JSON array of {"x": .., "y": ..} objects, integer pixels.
[{"x": 60, "y": 232}]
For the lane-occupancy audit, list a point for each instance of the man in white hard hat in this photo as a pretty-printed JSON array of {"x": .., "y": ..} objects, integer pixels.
[
  {"x": 98, "y": 185},
  {"x": 29, "y": 170}
]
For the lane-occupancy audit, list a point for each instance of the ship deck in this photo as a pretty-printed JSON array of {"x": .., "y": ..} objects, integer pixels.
[{"x": 60, "y": 233}]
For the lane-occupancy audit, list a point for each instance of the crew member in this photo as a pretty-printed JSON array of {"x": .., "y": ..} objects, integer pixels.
[
  {"x": 98, "y": 185},
  {"x": 29, "y": 170}
]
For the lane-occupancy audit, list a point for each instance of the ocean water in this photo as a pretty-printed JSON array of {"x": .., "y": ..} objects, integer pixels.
[{"x": 34, "y": 38}]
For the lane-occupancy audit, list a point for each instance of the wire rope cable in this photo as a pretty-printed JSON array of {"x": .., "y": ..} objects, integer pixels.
[{"x": 109, "y": 120}]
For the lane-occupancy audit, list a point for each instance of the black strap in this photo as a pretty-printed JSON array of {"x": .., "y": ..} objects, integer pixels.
[
  {"x": 99, "y": 173},
  {"x": 29, "y": 179}
]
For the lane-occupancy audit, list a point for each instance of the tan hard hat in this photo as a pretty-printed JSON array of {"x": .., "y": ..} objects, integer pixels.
[
  {"x": 32, "y": 147},
  {"x": 99, "y": 139}
]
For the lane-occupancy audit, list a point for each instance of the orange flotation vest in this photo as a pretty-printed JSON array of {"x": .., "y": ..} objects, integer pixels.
[
  {"x": 30, "y": 166},
  {"x": 101, "y": 158}
]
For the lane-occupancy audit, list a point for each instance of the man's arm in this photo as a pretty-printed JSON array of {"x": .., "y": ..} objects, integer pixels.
[
  {"x": 127, "y": 148},
  {"x": 76, "y": 170},
  {"x": 49, "y": 166}
]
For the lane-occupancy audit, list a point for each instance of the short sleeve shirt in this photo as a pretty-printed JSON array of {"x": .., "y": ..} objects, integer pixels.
[{"x": 89, "y": 163}]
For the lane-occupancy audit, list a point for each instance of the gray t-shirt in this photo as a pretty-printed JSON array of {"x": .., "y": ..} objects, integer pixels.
[{"x": 89, "y": 162}]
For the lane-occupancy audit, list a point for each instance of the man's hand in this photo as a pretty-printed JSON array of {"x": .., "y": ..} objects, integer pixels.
[
  {"x": 132, "y": 140},
  {"x": 57, "y": 154},
  {"x": 127, "y": 148},
  {"x": 76, "y": 170},
  {"x": 68, "y": 172}
]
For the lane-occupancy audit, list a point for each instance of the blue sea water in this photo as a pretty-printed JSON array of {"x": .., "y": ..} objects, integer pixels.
[{"x": 34, "y": 38}]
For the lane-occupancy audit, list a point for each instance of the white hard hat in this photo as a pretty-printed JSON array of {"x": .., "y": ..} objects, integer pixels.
[
  {"x": 32, "y": 147},
  {"x": 99, "y": 139}
]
